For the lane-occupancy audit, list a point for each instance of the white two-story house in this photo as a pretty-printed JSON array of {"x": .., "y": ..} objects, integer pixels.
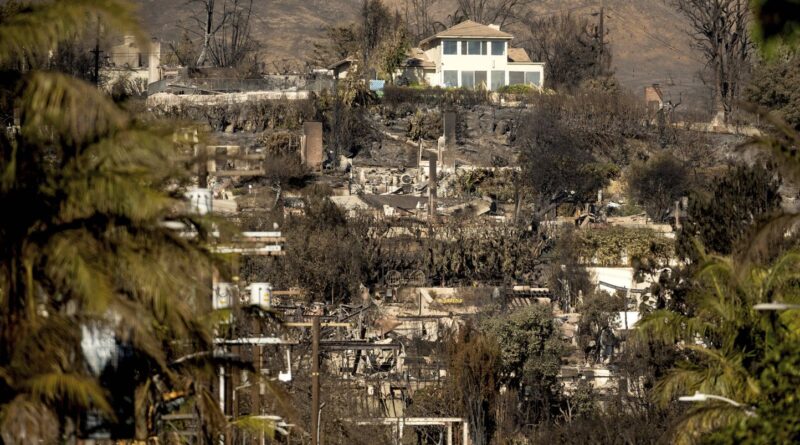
[{"x": 471, "y": 54}]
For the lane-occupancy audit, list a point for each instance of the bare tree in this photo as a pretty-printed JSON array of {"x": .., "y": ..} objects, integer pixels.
[
  {"x": 233, "y": 42},
  {"x": 473, "y": 378},
  {"x": 720, "y": 30},
  {"x": 223, "y": 29},
  {"x": 420, "y": 21},
  {"x": 207, "y": 25},
  {"x": 496, "y": 12},
  {"x": 377, "y": 23},
  {"x": 182, "y": 52},
  {"x": 572, "y": 54}
]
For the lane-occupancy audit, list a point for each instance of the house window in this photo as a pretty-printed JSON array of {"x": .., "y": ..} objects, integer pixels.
[
  {"x": 474, "y": 79},
  {"x": 473, "y": 47},
  {"x": 483, "y": 48},
  {"x": 450, "y": 47},
  {"x": 450, "y": 78},
  {"x": 467, "y": 79},
  {"x": 533, "y": 78},
  {"x": 516, "y": 77},
  {"x": 498, "y": 47},
  {"x": 480, "y": 79},
  {"x": 498, "y": 80}
]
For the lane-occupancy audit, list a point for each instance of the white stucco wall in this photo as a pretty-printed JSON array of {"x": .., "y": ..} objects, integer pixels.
[
  {"x": 533, "y": 67},
  {"x": 426, "y": 76},
  {"x": 464, "y": 62},
  {"x": 434, "y": 54},
  {"x": 622, "y": 277},
  {"x": 486, "y": 62},
  {"x": 430, "y": 76},
  {"x": 618, "y": 276}
]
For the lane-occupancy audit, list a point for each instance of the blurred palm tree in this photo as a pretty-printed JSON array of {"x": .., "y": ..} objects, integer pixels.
[
  {"x": 84, "y": 254},
  {"x": 724, "y": 338}
]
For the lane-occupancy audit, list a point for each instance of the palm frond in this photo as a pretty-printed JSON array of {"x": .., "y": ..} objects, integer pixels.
[
  {"x": 212, "y": 419},
  {"x": 76, "y": 390},
  {"x": 74, "y": 110},
  {"x": 8, "y": 173},
  {"x": 215, "y": 318},
  {"x": 24, "y": 421},
  {"x": 282, "y": 399},
  {"x": 256, "y": 425},
  {"x": 73, "y": 267},
  {"x": 723, "y": 337},
  {"x": 782, "y": 144},
  {"x": 669, "y": 327},
  {"x": 785, "y": 269},
  {"x": 679, "y": 381},
  {"x": 717, "y": 272},
  {"x": 92, "y": 247},
  {"x": 6, "y": 377},
  {"x": 711, "y": 377},
  {"x": 703, "y": 418},
  {"x": 765, "y": 235}
]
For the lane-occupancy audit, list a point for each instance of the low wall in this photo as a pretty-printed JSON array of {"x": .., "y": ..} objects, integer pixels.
[
  {"x": 231, "y": 112},
  {"x": 268, "y": 82},
  {"x": 177, "y": 100}
]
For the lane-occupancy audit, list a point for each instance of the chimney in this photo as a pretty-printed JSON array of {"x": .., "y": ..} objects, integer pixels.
[
  {"x": 432, "y": 184},
  {"x": 493, "y": 26},
  {"x": 154, "y": 62}
]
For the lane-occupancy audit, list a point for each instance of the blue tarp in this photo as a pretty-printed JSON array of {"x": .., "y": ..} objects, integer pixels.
[{"x": 376, "y": 85}]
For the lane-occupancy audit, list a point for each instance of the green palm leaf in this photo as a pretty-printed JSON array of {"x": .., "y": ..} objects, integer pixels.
[
  {"x": 87, "y": 246},
  {"x": 74, "y": 111},
  {"x": 723, "y": 337},
  {"x": 76, "y": 390},
  {"x": 256, "y": 425}
]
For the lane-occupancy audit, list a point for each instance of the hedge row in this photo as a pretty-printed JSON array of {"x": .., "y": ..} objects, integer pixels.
[{"x": 395, "y": 95}]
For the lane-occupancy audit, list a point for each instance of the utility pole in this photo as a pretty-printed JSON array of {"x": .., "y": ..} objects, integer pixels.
[
  {"x": 96, "y": 51},
  {"x": 202, "y": 165},
  {"x": 433, "y": 159},
  {"x": 315, "y": 380},
  {"x": 602, "y": 36},
  {"x": 601, "y": 66},
  {"x": 367, "y": 42},
  {"x": 315, "y": 334},
  {"x": 337, "y": 105}
]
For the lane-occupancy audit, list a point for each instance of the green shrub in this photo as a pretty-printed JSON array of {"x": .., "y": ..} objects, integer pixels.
[
  {"x": 434, "y": 96},
  {"x": 522, "y": 89},
  {"x": 605, "y": 246}
]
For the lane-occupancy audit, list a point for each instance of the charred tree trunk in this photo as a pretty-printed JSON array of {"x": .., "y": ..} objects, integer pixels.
[
  {"x": 720, "y": 30},
  {"x": 209, "y": 26}
]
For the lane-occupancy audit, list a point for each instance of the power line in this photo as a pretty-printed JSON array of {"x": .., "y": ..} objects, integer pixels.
[
  {"x": 561, "y": 11},
  {"x": 130, "y": 53},
  {"x": 655, "y": 38},
  {"x": 658, "y": 40}
]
